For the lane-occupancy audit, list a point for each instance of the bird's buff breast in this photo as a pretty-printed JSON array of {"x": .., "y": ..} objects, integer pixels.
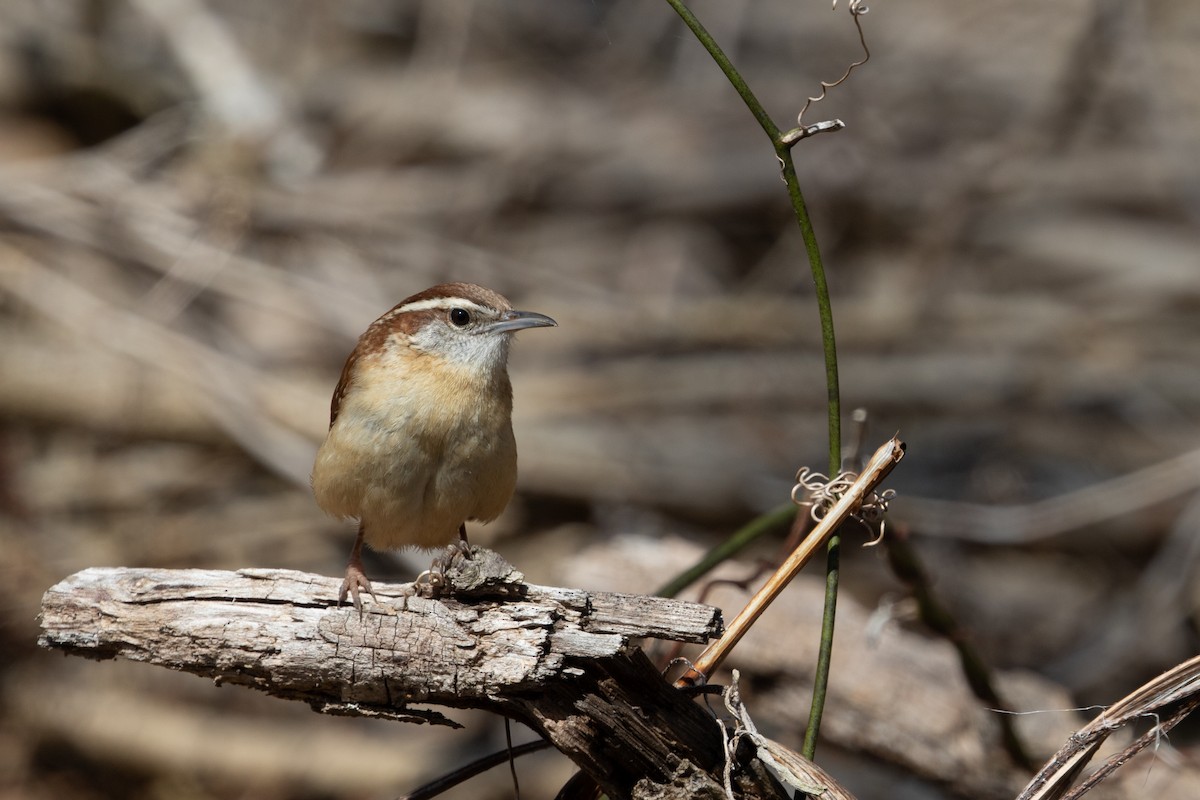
[{"x": 413, "y": 475}]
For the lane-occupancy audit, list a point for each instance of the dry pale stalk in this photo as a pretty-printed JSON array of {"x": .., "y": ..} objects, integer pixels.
[
  {"x": 1175, "y": 689},
  {"x": 881, "y": 463}
]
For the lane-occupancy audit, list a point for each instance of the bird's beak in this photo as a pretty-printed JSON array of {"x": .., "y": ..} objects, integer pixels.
[{"x": 517, "y": 320}]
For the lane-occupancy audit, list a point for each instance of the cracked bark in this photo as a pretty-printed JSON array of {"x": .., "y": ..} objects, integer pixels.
[{"x": 561, "y": 660}]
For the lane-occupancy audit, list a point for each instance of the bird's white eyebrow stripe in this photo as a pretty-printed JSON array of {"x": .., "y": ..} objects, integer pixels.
[{"x": 439, "y": 303}]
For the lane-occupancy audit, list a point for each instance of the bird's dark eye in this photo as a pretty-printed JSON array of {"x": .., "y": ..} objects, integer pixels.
[{"x": 460, "y": 316}]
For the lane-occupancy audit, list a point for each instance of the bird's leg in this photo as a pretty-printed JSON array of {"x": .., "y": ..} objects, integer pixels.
[
  {"x": 457, "y": 549},
  {"x": 433, "y": 580},
  {"x": 356, "y": 576},
  {"x": 463, "y": 545}
]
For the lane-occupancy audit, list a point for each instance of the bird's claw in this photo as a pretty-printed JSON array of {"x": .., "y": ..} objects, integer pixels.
[{"x": 354, "y": 582}]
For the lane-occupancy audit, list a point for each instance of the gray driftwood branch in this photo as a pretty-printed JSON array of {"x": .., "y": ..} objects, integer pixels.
[{"x": 561, "y": 660}]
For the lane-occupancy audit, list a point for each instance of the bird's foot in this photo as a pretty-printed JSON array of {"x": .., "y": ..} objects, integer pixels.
[{"x": 354, "y": 582}]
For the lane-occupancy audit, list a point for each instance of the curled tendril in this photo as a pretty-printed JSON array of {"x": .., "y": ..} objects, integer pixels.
[
  {"x": 433, "y": 578},
  {"x": 674, "y": 662},
  {"x": 857, "y": 9},
  {"x": 822, "y": 492}
]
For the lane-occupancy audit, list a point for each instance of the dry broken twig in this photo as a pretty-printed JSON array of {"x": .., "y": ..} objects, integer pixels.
[
  {"x": 850, "y": 501},
  {"x": 1166, "y": 699},
  {"x": 560, "y": 660}
]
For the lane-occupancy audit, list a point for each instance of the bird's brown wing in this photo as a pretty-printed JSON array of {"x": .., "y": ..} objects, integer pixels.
[
  {"x": 372, "y": 340},
  {"x": 343, "y": 386}
]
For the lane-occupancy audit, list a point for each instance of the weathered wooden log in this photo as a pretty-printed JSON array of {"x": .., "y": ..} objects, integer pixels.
[{"x": 561, "y": 660}]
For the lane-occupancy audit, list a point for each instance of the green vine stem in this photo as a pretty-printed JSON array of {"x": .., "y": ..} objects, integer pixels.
[
  {"x": 782, "y": 145},
  {"x": 731, "y": 73}
]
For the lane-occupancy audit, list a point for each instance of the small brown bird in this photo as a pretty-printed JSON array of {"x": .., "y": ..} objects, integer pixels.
[{"x": 420, "y": 430}]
